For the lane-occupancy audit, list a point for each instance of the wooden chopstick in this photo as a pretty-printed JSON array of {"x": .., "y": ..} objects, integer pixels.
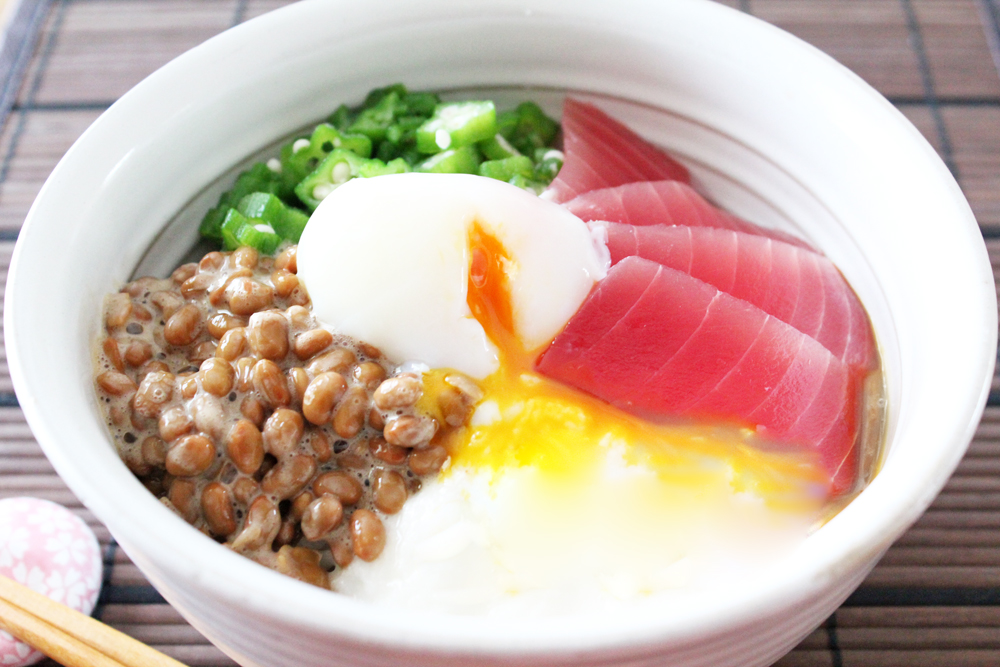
[
  {"x": 69, "y": 637},
  {"x": 58, "y": 645}
]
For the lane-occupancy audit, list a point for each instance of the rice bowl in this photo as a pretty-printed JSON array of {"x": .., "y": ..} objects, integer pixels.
[{"x": 833, "y": 158}]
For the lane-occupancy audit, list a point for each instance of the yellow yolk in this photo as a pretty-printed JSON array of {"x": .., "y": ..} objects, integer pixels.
[{"x": 527, "y": 420}]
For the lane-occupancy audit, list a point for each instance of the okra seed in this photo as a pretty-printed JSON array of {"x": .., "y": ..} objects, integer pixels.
[
  {"x": 322, "y": 191},
  {"x": 341, "y": 172}
]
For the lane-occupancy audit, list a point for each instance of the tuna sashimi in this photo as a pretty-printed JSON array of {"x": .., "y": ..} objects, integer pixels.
[
  {"x": 658, "y": 343},
  {"x": 795, "y": 285},
  {"x": 600, "y": 152},
  {"x": 664, "y": 203}
]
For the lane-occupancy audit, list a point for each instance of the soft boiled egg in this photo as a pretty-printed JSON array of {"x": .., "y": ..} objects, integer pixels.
[
  {"x": 387, "y": 260},
  {"x": 553, "y": 502}
]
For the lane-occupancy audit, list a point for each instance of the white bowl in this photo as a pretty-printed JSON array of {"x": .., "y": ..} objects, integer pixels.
[{"x": 770, "y": 127}]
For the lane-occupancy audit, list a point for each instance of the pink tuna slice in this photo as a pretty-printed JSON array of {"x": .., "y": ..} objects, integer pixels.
[
  {"x": 799, "y": 287},
  {"x": 600, "y": 152},
  {"x": 664, "y": 203},
  {"x": 658, "y": 343}
]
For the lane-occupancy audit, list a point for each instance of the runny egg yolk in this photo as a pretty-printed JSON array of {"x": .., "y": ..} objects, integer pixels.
[{"x": 574, "y": 441}]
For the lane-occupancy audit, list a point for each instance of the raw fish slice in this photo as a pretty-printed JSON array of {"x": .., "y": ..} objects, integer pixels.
[
  {"x": 709, "y": 356},
  {"x": 795, "y": 285},
  {"x": 845, "y": 465},
  {"x": 606, "y": 312},
  {"x": 842, "y": 313},
  {"x": 754, "y": 389},
  {"x": 684, "y": 348},
  {"x": 811, "y": 304},
  {"x": 600, "y": 152},
  {"x": 812, "y": 404},
  {"x": 671, "y": 324},
  {"x": 663, "y": 203},
  {"x": 842, "y": 463},
  {"x": 860, "y": 348}
]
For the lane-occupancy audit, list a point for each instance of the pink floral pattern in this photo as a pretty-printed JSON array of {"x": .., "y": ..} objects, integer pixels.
[{"x": 49, "y": 549}]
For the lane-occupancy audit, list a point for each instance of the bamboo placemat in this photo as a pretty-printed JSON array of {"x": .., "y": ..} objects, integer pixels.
[{"x": 934, "y": 600}]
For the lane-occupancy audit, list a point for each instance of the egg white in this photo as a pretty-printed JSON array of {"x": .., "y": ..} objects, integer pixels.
[{"x": 497, "y": 543}]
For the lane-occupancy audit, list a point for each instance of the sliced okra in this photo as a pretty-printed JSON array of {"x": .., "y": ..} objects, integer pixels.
[
  {"x": 464, "y": 160},
  {"x": 457, "y": 124}
]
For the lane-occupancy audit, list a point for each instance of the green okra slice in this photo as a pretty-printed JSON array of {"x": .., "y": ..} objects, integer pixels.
[
  {"x": 548, "y": 162},
  {"x": 421, "y": 103},
  {"x": 291, "y": 225},
  {"x": 376, "y": 95},
  {"x": 507, "y": 168},
  {"x": 457, "y": 124},
  {"x": 338, "y": 168},
  {"x": 527, "y": 183},
  {"x": 286, "y": 221},
  {"x": 464, "y": 160},
  {"x": 527, "y": 127},
  {"x": 406, "y": 103},
  {"x": 374, "y": 121},
  {"x": 262, "y": 205},
  {"x": 232, "y": 222},
  {"x": 374, "y": 168},
  {"x": 300, "y": 157},
  {"x": 239, "y": 230},
  {"x": 400, "y": 138},
  {"x": 497, "y": 148},
  {"x": 258, "y": 178},
  {"x": 341, "y": 118},
  {"x": 259, "y": 235}
]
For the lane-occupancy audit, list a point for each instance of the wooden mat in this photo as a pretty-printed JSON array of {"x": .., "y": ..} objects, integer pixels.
[{"x": 934, "y": 600}]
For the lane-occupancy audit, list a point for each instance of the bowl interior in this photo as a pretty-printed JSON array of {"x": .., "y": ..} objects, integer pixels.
[{"x": 772, "y": 129}]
